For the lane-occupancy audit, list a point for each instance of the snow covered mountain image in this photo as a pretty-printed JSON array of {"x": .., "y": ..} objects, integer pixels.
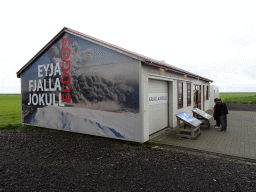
[{"x": 95, "y": 122}]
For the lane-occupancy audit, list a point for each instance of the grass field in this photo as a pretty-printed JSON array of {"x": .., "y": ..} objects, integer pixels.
[
  {"x": 10, "y": 108},
  {"x": 10, "y": 113},
  {"x": 238, "y": 98}
]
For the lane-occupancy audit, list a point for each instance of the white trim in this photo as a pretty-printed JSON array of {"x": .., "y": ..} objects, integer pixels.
[
  {"x": 142, "y": 106},
  {"x": 160, "y": 77}
]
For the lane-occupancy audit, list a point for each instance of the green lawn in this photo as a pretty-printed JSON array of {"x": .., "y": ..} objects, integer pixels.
[
  {"x": 10, "y": 108},
  {"x": 238, "y": 98},
  {"x": 10, "y": 112}
]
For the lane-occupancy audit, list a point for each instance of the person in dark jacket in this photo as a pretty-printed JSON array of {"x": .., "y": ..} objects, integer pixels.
[
  {"x": 221, "y": 110},
  {"x": 215, "y": 116}
]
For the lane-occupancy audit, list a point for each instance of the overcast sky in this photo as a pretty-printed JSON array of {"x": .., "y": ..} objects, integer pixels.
[{"x": 214, "y": 39}]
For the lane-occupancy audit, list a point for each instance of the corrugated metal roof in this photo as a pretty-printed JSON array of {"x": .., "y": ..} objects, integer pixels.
[{"x": 143, "y": 58}]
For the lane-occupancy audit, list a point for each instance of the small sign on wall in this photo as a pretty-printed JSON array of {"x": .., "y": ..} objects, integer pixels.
[{"x": 157, "y": 98}]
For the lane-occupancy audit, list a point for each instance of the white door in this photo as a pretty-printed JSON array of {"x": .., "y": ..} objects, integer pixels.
[{"x": 158, "y": 105}]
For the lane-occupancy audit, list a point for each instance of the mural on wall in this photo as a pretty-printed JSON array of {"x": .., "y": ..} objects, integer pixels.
[{"x": 80, "y": 86}]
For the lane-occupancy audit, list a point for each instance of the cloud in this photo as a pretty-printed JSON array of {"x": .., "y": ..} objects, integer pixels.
[
  {"x": 230, "y": 79},
  {"x": 8, "y": 77},
  {"x": 243, "y": 41}
]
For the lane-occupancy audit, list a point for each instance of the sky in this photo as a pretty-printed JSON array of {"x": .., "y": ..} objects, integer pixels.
[{"x": 213, "y": 39}]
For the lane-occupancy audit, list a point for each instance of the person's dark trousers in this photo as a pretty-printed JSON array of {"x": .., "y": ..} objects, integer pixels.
[
  {"x": 223, "y": 122},
  {"x": 218, "y": 121}
]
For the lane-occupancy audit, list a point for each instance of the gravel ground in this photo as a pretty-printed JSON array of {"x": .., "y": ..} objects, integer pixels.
[{"x": 49, "y": 160}]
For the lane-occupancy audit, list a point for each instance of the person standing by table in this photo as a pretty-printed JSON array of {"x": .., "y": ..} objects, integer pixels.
[
  {"x": 222, "y": 110},
  {"x": 216, "y": 116}
]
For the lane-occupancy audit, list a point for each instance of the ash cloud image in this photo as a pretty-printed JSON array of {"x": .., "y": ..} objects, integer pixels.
[
  {"x": 102, "y": 94},
  {"x": 104, "y": 90},
  {"x": 100, "y": 78},
  {"x": 79, "y": 58}
]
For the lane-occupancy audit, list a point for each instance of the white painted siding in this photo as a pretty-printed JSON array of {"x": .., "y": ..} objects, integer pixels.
[{"x": 148, "y": 73}]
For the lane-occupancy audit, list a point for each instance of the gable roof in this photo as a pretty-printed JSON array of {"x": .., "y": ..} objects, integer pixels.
[{"x": 146, "y": 60}]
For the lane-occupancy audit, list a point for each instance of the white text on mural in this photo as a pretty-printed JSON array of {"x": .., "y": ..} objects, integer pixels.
[
  {"x": 51, "y": 82},
  {"x": 45, "y": 70}
]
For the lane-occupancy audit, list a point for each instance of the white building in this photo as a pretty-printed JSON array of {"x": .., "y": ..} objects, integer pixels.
[{"x": 82, "y": 84}]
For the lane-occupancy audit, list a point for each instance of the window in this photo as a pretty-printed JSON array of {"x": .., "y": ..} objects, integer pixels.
[
  {"x": 189, "y": 94},
  {"x": 207, "y": 92},
  {"x": 197, "y": 96},
  {"x": 180, "y": 94}
]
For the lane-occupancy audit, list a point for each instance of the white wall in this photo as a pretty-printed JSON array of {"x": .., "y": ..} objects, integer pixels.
[
  {"x": 149, "y": 72},
  {"x": 214, "y": 93}
]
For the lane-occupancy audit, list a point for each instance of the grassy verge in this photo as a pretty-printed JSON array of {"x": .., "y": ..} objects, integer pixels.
[
  {"x": 238, "y": 98},
  {"x": 10, "y": 113},
  {"x": 16, "y": 127},
  {"x": 10, "y": 108}
]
